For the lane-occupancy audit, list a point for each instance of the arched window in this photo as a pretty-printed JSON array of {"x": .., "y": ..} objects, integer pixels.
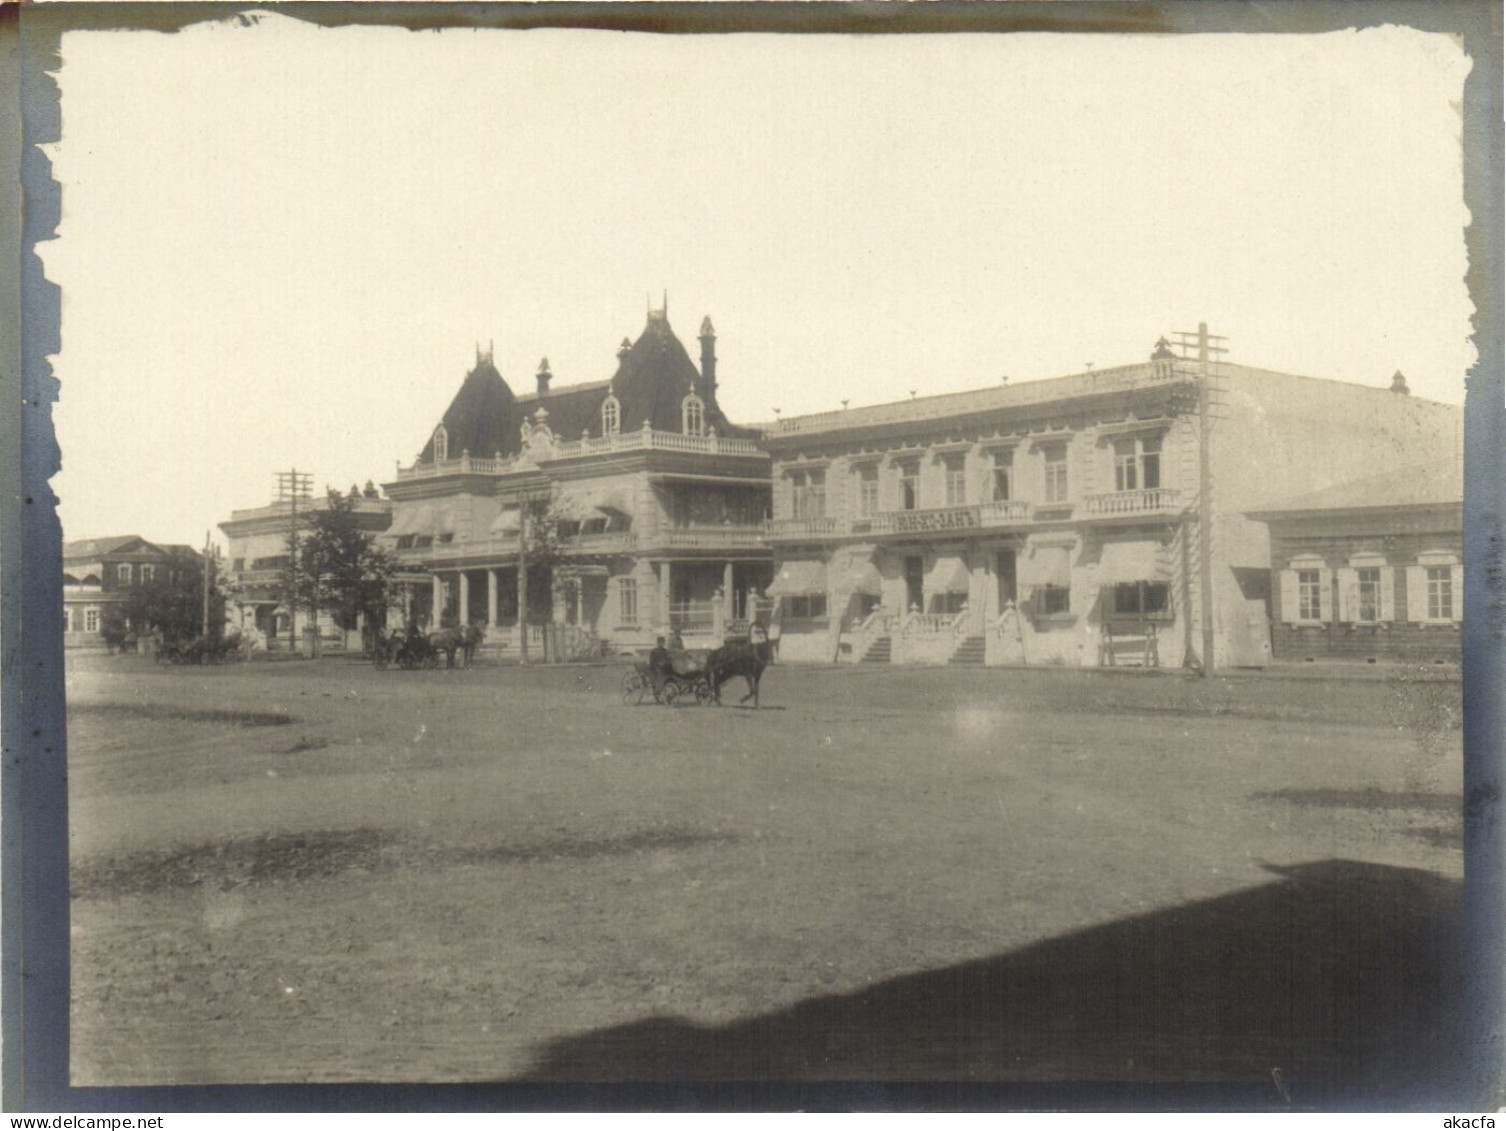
[
  {"x": 693, "y": 414},
  {"x": 611, "y": 416},
  {"x": 441, "y": 444}
]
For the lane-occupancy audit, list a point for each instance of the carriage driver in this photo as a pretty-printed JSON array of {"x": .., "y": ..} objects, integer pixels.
[{"x": 659, "y": 665}]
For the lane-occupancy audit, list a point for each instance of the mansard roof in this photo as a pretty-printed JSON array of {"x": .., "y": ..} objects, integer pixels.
[
  {"x": 480, "y": 419},
  {"x": 653, "y": 377}
]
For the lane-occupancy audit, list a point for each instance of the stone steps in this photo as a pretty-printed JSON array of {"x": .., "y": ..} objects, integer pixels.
[{"x": 969, "y": 653}]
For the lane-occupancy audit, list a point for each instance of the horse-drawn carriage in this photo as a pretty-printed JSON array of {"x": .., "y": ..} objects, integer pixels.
[
  {"x": 688, "y": 676},
  {"x": 412, "y": 650},
  {"x": 211, "y": 649},
  {"x": 698, "y": 675}
]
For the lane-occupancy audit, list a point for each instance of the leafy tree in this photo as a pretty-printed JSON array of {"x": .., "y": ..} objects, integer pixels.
[
  {"x": 548, "y": 531},
  {"x": 174, "y": 604},
  {"x": 336, "y": 566},
  {"x": 114, "y": 626}
]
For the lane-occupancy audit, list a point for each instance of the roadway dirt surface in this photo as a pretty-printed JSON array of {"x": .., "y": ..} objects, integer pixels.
[{"x": 302, "y": 872}]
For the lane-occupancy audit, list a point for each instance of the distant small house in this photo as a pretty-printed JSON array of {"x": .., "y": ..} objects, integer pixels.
[
  {"x": 99, "y": 572},
  {"x": 1371, "y": 570}
]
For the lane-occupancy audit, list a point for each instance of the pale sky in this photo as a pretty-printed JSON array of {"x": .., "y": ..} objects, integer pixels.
[{"x": 280, "y": 244}]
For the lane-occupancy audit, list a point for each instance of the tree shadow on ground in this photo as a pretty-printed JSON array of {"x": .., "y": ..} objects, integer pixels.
[{"x": 1338, "y": 984}]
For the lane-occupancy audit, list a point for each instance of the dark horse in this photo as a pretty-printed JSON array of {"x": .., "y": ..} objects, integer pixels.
[
  {"x": 463, "y": 640},
  {"x": 740, "y": 659},
  {"x": 471, "y": 637}
]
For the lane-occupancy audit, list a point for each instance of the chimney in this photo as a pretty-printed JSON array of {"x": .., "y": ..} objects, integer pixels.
[
  {"x": 708, "y": 361},
  {"x": 1399, "y": 384},
  {"x": 544, "y": 377}
]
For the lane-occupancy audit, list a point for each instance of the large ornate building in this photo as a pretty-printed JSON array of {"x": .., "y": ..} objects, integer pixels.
[
  {"x": 1062, "y": 521},
  {"x": 660, "y": 500}
]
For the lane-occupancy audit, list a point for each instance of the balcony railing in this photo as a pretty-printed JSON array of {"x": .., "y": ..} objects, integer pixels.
[
  {"x": 927, "y": 521},
  {"x": 647, "y": 438},
  {"x": 465, "y": 465},
  {"x": 1000, "y": 511},
  {"x": 258, "y": 576},
  {"x": 715, "y": 537},
  {"x": 1151, "y": 500},
  {"x": 639, "y": 439},
  {"x": 605, "y": 542},
  {"x": 800, "y": 527}
]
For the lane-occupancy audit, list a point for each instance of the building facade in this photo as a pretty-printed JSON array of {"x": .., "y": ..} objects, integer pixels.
[
  {"x": 659, "y": 502},
  {"x": 1371, "y": 571},
  {"x": 1060, "y": 522},
  {"x": 258, "y": 557},
  {"x": 100, "y": 572}
]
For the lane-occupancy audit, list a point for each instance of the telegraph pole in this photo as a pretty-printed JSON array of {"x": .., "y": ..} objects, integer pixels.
[
  {"x": 207, "y": 561},
  {"x": 523, "y": 581},
  {"x": 292, "y": 486},
  {"x": 1205, "y": 498},
  {"x": 1206, "y": 351}
]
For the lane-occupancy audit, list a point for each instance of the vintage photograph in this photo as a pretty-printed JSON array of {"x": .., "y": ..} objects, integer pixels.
[{"x": 599, "y": 556}]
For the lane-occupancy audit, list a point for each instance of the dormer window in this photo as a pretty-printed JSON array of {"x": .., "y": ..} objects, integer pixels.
[
  {"x": 441, "y": 444},
  {"x": 611, "y": 416},
  {"x": 693, "y": 414}
]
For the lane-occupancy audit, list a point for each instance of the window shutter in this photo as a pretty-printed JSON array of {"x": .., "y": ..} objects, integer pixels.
[
  {"x": 1456, "y": 575},
  {"x": 1288, "y": 612},
  {"x": 1417, "y": 594},
  {"x": 1387, "y": 593},
  {"x": 889, "y": 488},
  {"x": 1349, "y": 583},
  {"x": 1325, "y": 588}
]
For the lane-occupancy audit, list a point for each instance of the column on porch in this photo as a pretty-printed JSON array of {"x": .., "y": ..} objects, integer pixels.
[
  {"x": 491, "y": 598},
  {"x": 463, "y": 612},
  {"x": 721, "y": 611},
  {"x": 665, "y": 586},
  {"x": 436, "y": 609}
]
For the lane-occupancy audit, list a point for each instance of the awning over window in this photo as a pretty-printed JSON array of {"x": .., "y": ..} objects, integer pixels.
[
  {"x": 1134, "y": 561},
  {"x": 853, "y": 571},
  {"x": 431, "y": 520},
  {"x": 411, "y": 520},
  {"x": 948, "y": 575},
  {"x": 1046, "y": 565},
  {"x": 614, "y": 501},
  {"x": 798, "y": 578},
  {"x": 507, "y": 522}
]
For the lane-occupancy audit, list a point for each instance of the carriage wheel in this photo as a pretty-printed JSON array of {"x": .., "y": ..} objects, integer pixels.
[
  {"x": 703, "y": 692},
  {"x": 634, "y": 686},
  {"x": 431, "y": 661},
  {"x": 672, "y": 693},
  {"x": 380, "y": 661}
]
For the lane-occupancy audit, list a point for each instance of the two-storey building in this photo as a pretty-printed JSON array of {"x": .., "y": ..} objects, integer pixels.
[
  {"x": 1058, "y": 521},
  {"x": 100, "y": 572},
  {"x": 659, "y": 499}
]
